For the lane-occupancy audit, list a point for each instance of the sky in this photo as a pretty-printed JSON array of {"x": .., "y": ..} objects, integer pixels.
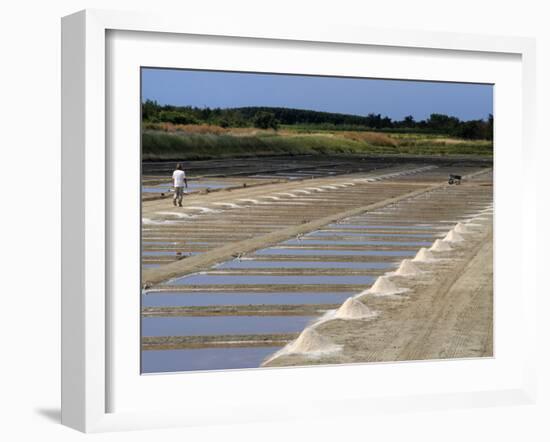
[{"x": 359, "y": 96}]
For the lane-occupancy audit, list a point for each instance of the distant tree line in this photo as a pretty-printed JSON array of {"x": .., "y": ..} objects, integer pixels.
[{"x": 273, "y": 117}]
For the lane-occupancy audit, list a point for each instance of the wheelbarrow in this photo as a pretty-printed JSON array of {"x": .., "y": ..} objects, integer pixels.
[{"x": 454, "y": 179}]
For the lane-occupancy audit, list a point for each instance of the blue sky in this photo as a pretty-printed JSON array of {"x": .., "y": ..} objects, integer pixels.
[{"x": 359, "y": 96}]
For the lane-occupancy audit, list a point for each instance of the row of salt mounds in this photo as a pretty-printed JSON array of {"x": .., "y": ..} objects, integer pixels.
[
  {"x": 407, "y": 268},
  {"x": 453, "y": 236},
  {"x": 462, "y": 228},
  {"x": 441, "y": 246},
  {"x": 354, "y": 309},
  {"x": 310, "y": 343},
  {"x": 383, "y": 286},
  {"x": 424, "y": 255}
]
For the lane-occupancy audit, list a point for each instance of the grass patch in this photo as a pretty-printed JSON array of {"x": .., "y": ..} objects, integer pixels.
[{"x": 191, "y": 142}]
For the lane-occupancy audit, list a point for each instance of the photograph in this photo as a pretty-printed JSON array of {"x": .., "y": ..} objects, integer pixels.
[{"x": 292, "y": 220}]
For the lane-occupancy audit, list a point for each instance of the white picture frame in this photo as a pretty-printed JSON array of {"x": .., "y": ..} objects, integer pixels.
[{"x": 86, "y": 316}]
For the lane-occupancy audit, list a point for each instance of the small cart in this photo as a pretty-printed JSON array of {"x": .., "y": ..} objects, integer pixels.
[{"x": 455, "y": 179}]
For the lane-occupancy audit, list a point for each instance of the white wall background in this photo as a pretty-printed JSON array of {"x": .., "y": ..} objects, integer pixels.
[{"x": 30, "y": 215}]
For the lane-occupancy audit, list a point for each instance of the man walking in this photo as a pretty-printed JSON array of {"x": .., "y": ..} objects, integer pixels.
[{"x": 179, "y": 182}]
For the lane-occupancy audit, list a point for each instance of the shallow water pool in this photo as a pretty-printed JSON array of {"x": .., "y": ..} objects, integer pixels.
[
  {"x": 320, "y": 252},
  {"x": 150, "y": 266},
  {"x": 383, "y": 227},
  {"x": 205, "y": 299},
  {"x": 253, "y": 264},
  {"x": 361, "y": 234},
  {"x": 207, "y": 279},
  {"x": 316, "y": 242},
  {"x": 162, "y": 361},
  {"x": 222, "y": 325}
]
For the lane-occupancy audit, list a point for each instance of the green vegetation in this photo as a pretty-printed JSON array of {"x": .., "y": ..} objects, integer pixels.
[
  {"x": 273, "y": 117},
  {"x": 159, "y": 145},
  {"x": 184, "y": 133},
  {"x": 265, "y": 120}
]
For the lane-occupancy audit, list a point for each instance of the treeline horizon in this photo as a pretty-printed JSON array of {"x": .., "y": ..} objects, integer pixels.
[{"x": 265, "y": 117}]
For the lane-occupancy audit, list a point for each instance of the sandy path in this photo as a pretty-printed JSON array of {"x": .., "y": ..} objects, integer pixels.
[{"x": 461, "y": 324}]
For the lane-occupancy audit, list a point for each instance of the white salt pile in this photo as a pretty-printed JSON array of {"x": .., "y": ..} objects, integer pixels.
[
  {"x": 440, "y": 246},
  {"x": 230, "y": 205},
  {"x": 354, "y": 309},
  {"x": 384, "y": 286},
  {"x": 203, "y": 209},
  {"x": 452, "y": 236},
  {"x": 316, "y": 189},
  {"x": 424, "y": 255},
  {"x": 461, "y": 228},
  {"x": 310, "y": 342},
  {"x": 176, "y": 214},
  {"x": 291, "y": 195},
  {"x": 407, "y": 267}
]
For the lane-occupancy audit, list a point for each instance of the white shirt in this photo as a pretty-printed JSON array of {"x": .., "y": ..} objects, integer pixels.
[{"x": 179, "y": 177}]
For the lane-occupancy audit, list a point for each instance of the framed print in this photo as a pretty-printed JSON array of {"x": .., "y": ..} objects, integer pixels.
[
  {"x": 262, "y": 224},
  {"x": 345, "y": 235}
]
